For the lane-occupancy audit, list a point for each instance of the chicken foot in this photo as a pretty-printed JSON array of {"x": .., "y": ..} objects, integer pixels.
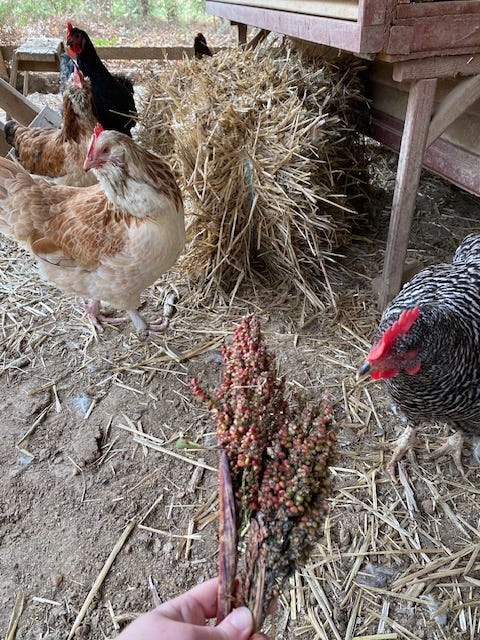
[
  {"x": 159, "y": 325},
  {"x": 93, "y": 311},
  {"x": 406, "y": 442},
  {"x": 140, "y": 325},
  {"x": 452, "y": 447}
]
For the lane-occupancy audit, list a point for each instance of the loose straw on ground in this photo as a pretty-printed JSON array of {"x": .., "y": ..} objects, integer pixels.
[{"x": 101, "y": 576}]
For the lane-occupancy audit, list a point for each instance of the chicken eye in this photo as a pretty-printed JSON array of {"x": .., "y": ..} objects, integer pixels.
[{"x": 106, "y": 149}]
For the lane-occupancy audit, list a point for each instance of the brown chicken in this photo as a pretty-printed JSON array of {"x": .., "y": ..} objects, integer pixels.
[
  {"x": 59, "y": 153},
  {"x": 108, "y": 241}
]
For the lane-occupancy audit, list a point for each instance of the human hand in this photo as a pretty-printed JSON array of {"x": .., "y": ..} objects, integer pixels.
[{"x": 183, "y": 618}]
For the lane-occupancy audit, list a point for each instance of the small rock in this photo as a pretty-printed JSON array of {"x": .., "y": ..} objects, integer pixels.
[
  {"x": 428, "y": 506},
  {"x": 56, "y": 580},
  {"x": 82, "y": 631}
]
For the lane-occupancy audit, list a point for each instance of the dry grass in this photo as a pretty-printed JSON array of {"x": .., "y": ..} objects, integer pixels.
[
  {"x": 272, "y": 162},
  {"x": 397, "y": 560}
]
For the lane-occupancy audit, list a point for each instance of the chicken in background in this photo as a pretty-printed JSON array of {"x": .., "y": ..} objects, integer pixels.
[
  {"x": 200, "y": 47},
  {"x": 105, "y": 242},
  {"x": 59, "y": 153},
  {"x": 113, "y": 96},
  {"x": 426, "y": 351}
]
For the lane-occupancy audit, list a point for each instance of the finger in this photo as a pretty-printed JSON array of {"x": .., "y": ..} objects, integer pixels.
[
  {"x": 194, "y": 606},
  {"x": 238, "y": 625}
]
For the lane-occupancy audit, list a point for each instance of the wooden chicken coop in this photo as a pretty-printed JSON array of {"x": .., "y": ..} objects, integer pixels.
[{"x": 424, "y": 68}]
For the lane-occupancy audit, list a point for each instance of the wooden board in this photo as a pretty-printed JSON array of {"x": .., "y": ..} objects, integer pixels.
[
  {"x": 342, "y": 9},
  {"x": 443, "y": 158},
  {"x": 128, "y": 53},
  {"x": 391, "y": 97},
  {"x": 342, "y": 34},
  {"x": 15, "y": 104},
  {"x": 425, "y": 9}
]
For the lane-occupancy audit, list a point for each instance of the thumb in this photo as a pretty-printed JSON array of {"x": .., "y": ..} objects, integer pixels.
[{"x": 238, "y": 625}]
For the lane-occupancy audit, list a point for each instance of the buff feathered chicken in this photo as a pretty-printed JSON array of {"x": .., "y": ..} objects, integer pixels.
[
  {"x": 426, "y": 351},
  {"x": 59, "y": 153},
  {"x": 105, "y": 242}
]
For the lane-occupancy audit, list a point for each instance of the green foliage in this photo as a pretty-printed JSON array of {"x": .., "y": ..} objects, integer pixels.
[{"x": 24, "y": 11}]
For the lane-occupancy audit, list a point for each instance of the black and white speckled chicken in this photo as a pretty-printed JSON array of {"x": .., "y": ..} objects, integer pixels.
[{"x": 426, "y": 351}]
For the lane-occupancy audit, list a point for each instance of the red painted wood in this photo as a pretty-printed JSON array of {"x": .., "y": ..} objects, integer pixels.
[
  {"x": 424, "y": 9},
  {"x": 341, "y": 34},
  {"x": 436, "y": 67},
  {"x": 372, "y": 12},
  {"x": 446, "y": 33},
  {"x": 443, "y": 158},
  {"x": 400, "y": 40}
]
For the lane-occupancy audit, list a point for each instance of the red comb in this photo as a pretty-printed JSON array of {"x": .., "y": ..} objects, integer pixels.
[
  {"x": 69, "y": 27},
  {"x": 398, "y": 328},
  {"x": 96, "y": 132}
]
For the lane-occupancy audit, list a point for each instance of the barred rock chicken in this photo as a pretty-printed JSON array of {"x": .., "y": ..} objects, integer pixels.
[
  {"x": 426, "y": 351},
  {"x": 108, "y": 241},
  {"x": 200, "y": 47},
  {"x": 113, "y": 97},
  {"x": 59, "y": 153}
]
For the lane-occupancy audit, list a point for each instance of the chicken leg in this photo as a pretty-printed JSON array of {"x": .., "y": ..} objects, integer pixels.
[
  {"x": 452, "y": 447},
  {"x": 96, "y": 318}
]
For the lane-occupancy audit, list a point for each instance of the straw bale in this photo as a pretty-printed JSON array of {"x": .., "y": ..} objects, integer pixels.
[{"x": 268, "y": 148}]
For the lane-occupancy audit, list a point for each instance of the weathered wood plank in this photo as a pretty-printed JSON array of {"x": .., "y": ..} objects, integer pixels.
[
  {"x": 426, "y": 9},
  {"x": 417, "y": 120},
  {"x": 341, "y": 9},
  {"x": 458, "y": 166},
  {"x": 374, "y": 12},
  {"x": 342, "y": 34},
  {"x": 436, "y": 67},
  {"x": 452, "y": 106},
  {"x": 3, "y": 68},
  {"x": 127, "y": 53},
  {"x": 15, "y": 104}
]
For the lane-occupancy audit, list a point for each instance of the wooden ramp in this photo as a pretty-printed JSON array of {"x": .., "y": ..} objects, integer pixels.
[{"x": 16, "y": 105}]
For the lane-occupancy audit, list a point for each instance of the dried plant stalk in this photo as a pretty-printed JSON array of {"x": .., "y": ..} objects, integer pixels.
[
  {"x": 272, "y": 160},
  {"x": 278, "y": 453}
]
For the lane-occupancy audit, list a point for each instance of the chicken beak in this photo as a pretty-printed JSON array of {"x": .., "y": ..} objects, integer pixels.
[
  {"x": 89, "y": 163},
  {"x": 363, "y": 371}
]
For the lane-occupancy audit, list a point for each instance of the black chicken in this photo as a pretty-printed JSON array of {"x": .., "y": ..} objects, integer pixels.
[
  {"x": 113, "y": 96},
  {"x": 200, "y": 47},
  {"x": 427, "y": 350}
]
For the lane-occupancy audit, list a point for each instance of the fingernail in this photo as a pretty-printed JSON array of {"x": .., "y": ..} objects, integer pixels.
[{"x": 241, "y": 618}]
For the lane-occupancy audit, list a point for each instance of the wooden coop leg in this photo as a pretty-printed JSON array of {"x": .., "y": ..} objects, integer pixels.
[
  {"x": 13, "y": 79},
  {"x": 242, "y": 32},
  {"x": 257, "y": 39},
  {"x": 3, "y": 67},
  {"x": 414, "y": 138}
]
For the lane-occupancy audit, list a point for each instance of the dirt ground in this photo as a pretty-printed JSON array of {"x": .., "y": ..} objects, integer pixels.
[
  {"x": 77, "y": 469},
  {"x": 98, "y": 498}
]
